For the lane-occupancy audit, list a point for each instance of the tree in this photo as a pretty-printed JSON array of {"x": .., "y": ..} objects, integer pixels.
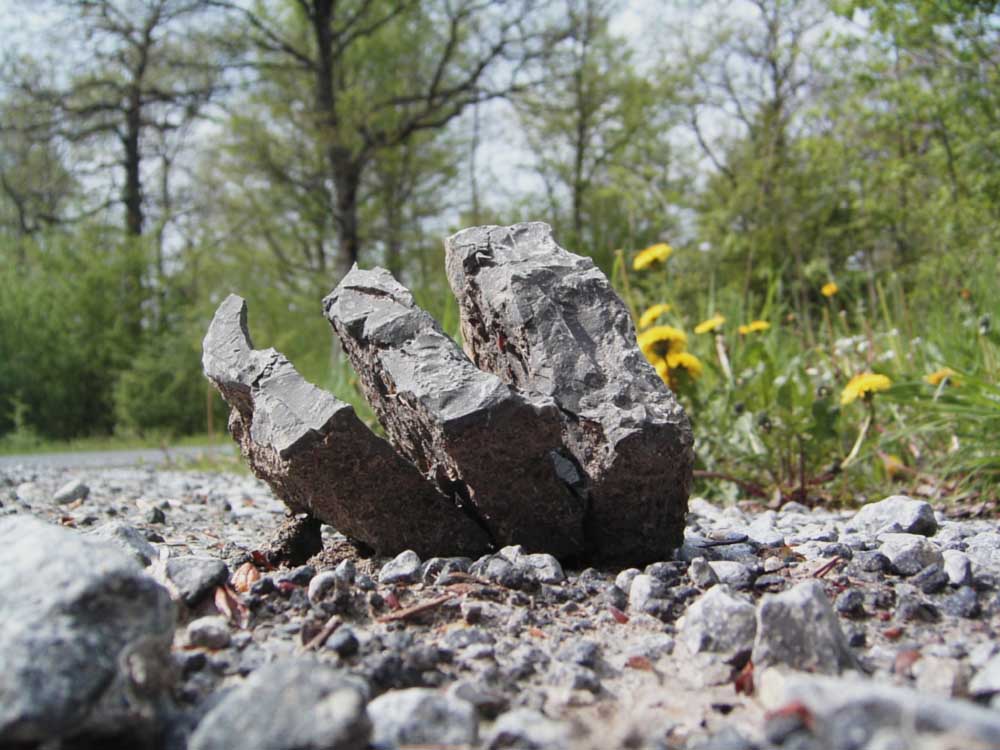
[
  {"x": 141, "y": 71},
  {"x": 381, "y": 74},
  {"x": 756, "y": 76},
  {"x": 597, "y": 129}
]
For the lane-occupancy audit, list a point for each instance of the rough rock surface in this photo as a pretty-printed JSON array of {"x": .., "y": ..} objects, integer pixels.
[
  {"x": 896, "y": 513},
  {"x": 721, "y": 623},
  {"x": 798, "y": 628},
  {"x": 496, "y": 451},
  {"x": 420, "y": 716},
  {"x": 547, "y": 321},
  {"x": 851, "y": 712},
  {"x": 292, "y": 703},
  {"x": 319, "y": 457},
  {"x": 84, "y": 639}
]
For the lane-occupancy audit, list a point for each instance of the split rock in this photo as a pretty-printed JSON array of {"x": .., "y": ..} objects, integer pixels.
[
  {"x": 547, "y": 321},
  {"x": 496, "y": 451},
  {"x": 84, "y": 638},
  {"x": 319, "y": 458}
]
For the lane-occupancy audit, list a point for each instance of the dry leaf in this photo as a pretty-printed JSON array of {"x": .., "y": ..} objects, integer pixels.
[
  {"x": 620, "y": 616},
  {"x": 798, "y": 709},
  {"x": 536, "y": 633},
  {"x": 744, "y": 680},
  {"x": 230, "y": 606},
  {"x": 904, "y": 660},
  {"x": 641, "y": 663},
  {"x": 893, "y": 633},
  {"x": 245, "y": 576}
]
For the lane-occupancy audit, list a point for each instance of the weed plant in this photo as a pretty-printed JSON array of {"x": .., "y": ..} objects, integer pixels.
[{"x": 877, "y": 389}]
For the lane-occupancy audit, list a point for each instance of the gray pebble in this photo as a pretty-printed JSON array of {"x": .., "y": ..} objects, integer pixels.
[
  {"x": 208, "y": 632},
  {"x": 403, "y": 568}
]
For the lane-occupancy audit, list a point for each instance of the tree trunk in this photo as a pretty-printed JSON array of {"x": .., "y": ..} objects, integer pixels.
[
  {"x": 347, "y": 180},
  {"x": 132, "y": 192}
]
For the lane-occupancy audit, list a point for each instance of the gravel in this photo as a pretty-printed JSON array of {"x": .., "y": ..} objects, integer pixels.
[{"x": 513, "y": 650}]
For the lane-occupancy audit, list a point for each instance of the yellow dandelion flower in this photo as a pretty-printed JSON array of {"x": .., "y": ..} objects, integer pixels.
[
  {"x": 754, "y": 327},
  {"x": 937, "y": 376},
  {"x": 649, "y": 317},
  {"x": 712, "y": 324},
  {"x": 661, "y": 369},
  {"x": 658, "y": 341},
  {"x": 863, "y": 386},
  {"x": 653, "y": 254},
  {"x": 685, "y": 361},
  {"x": 893, "y": 465},
  {"x": 829, "y": 289}
]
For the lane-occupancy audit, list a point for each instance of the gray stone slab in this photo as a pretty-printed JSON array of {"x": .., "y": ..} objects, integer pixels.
[
  {"x": 319, "y": 458},
  {"x": 547, "y": 321},
  {"x": 497, "y": 451}
]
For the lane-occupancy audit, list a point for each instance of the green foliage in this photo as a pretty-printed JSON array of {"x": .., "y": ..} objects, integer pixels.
[{"x": 62, "y": 340}]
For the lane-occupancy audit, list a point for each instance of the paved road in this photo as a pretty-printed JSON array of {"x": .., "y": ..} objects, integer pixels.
[{"x": 105, "y": 459}]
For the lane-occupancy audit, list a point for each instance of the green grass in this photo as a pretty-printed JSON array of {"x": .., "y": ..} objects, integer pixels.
[
  {"x": 766, "y": 408},
  {"x": 28, "y": 443}
]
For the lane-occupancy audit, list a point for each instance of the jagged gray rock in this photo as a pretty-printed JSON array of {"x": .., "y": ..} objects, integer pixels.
[
  {"x": 319, "y": 458},
  {"x": 798, "y": 628},
  {"x": 292, "y": 703},
  {"x": 423, "y": 717},
  {"x": 547, "y": 321},
  {"x": 84, "y": 640},
  {"x": 497, "y": 451},
  {"x": 849, "y": 711}
]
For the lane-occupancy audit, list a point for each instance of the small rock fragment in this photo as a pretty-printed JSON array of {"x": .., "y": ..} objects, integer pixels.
[
  {"x": 897, "y": 513},
  {"x": 524, "y": 729},
  {"x": 208, "y": 632},
  {"x": 420, "y": 716},
  {"x": 321, "y": 585},
  {"x": 734, "y": 574},
  {"x": 292, "y": 703},
  {"x": 957, "y": 567},
  {"x": 986, "y": 681},
  {"x": 127, "y": 538},
  {"x": 720, "y": 623},
  {"x": 798, "y": 628},
  {"x": 71, "y": 491},
  {"x": 644, "y": 590},
  {"x": 403, "y": 568},
  {"x": 624, "y": 579},
  {"x": 702, "y": 574},
  {"x": 910, "y": 553},
  {"x": 195, "y": 577}
]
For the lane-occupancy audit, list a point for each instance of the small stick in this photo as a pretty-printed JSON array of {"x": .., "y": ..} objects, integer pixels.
[
  {"x": 320, "y": 638},
  {"x": 827, "y": 567},
  {"x": 416, "y": 609}
]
